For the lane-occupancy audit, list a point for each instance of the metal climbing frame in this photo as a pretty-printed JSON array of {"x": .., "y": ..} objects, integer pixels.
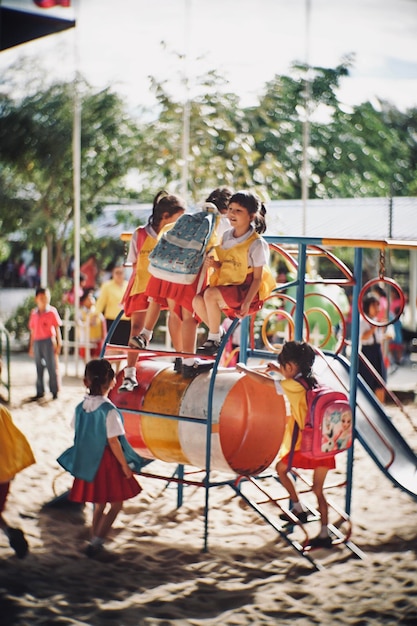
[{"x": 239, "y": 484}]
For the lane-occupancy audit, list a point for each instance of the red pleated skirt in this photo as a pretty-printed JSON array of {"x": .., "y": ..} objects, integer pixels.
[
  {"x": 233, "y": 295},
  {"x": 302, "y": 461},
  {"x": 109, "y": 484},
  {"x": 136, "y": 302}
]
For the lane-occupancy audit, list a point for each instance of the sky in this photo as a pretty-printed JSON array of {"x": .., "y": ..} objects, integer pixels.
[{"x": 119, "y": 43}]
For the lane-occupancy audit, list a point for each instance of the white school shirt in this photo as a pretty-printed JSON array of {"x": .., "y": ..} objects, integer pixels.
[{"x": 114, "y": 425}]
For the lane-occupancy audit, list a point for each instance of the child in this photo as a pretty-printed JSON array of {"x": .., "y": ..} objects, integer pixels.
[
  {"x": 182, "y": 323},
  {"x": 45, "y": 342},
  {"x": 99, "y": 458},
  {"x": 241, "y": 278},
  {"x": 89, "y": 317},
  {"x": 371, "y": 339},
  {"x": 166, "y": 209},
  {"x": 295, "y": 361},
  {"x": 15, "y": 455}
]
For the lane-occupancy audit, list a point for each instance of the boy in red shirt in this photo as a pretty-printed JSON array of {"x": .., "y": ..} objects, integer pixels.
[{"x": 45, "y": 341}]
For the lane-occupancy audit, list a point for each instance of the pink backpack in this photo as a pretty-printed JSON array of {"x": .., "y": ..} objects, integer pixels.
[{"x": 328, "y": 426}]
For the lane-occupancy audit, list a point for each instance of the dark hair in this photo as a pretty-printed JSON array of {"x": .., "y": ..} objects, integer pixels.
[
  {"x": 164, "y": 203},
  {"x": 220, "y": 198},
  {"x": 86, "y": 293},
  {"x": 98, "y": 372},
  {"x": 368, "y": 300},
  {"x": 303, "y": 355},
  {"x": 254, "y": 207},
  {"x": 40, "y": 291}
]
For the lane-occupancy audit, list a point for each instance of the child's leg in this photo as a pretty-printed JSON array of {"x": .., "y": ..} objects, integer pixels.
[
  {"x": 213, "y": 304},
  {"x": 104, "y": 521},
  {"x": 287, "y": 481},
  {"x": 175, "y": 327},
  {"x": 200, "y": 308},
  {"x": 189, "y": 331},
  {"x": 319, "y": 477},
  {"x": 98, "y": 513}
]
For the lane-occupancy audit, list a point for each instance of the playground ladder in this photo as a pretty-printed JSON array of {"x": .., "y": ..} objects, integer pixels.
[{"x": 284, "y": 529}]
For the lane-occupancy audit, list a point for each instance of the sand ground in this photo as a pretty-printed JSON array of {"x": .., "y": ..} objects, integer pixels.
[{"x": 156, "y": 572}]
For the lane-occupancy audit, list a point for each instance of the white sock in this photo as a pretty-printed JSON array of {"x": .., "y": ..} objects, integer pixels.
[
  {"x": 190, "y": 361},
  {"x": 130, "y": 372},
  {"x": 214, "y": 337},
  {"x": 147, "y": 334},
  {"x": 97, "y": 541},
  {"x": 324, "y": 532}
]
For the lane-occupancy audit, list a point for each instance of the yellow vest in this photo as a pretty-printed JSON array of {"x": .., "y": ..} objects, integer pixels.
[
  {"x": 142, "y": 275},
  {"x": 234, "y": 268}
]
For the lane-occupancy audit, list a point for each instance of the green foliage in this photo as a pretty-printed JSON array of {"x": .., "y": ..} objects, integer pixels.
[{"x": 365, "y": 150}]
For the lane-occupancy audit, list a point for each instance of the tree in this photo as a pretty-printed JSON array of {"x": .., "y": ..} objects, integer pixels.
[{"x": 36, "y": 163}]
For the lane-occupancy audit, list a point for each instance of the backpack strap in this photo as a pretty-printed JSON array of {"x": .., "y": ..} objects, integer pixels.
[{"x": 295, "y": 432}]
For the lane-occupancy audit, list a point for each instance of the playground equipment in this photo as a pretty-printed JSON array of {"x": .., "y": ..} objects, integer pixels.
[
  {"x": 5, "y": 360},
  {"x": 219, "y": 422}
]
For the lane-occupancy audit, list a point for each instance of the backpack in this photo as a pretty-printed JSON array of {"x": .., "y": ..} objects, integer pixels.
[
  {"x": 179, "y": 253},
  {"x": 328, "y": 426}
]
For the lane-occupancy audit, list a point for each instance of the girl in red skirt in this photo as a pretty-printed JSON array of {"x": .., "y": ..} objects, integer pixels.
[
  {"x": 295, "y": 361},
  {"x": 98, "y": 459},
  {"x": 167, "y": 208},
  {"x": 241, "y": 278}
]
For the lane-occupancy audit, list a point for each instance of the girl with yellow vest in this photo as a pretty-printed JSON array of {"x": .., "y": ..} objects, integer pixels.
[
  {"x": 167, "y": 208},
  {"x": 241, "y": 278}
]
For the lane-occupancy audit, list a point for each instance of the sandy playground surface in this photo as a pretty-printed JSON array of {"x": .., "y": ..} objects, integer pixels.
[{"x": 155, "y": 570}]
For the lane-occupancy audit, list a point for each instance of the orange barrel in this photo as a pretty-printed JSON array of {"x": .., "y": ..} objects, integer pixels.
[
  {"x": 248, "y": 419},
  {"x": 248, "y": 422},
  {"x": 134, "y": 400}
]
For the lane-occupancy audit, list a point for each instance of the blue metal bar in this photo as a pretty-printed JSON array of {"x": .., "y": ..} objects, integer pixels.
[
  {"x": 299, "y": 309},
  {"x": 354, "y": 364}
]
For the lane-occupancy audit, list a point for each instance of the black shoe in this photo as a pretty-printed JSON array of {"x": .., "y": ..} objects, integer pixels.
[
  {"x": 128, "y": 384},
  {"x": 54, "y": 396},
  {"x": 190, "y": 371},
  {"x": 93, "y": 550},
  {"x": 302, "y": 516},
  {"x": 139, "y": 342},
  {"x": 38, "y": 396},
  {"x": 18, "y": 542},
  {"x": 320, "y": 542},
  {"x": 178, "y": 365},
  {"x": 210, "y": 347}
]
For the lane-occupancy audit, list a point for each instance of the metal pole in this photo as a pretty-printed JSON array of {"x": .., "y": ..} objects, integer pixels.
[
  {"x": 186, "y": 109},
  {"x": 354, "y": 364},
  {"x": 305, "y": 173},
  {"x": 76, "y": 159}
]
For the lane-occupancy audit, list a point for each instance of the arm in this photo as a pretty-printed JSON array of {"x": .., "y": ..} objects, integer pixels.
[
  {"x": 260, "y": 377},
  {"x": 58, "y": 344},
  {"x": 252, "y": 291},
  {"x": 116, "y": 448}
]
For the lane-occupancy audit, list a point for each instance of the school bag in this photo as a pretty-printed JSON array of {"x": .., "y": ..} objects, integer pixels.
[
  {"x": 179, "y": 253},
  {"x": 328, "y": 425}
]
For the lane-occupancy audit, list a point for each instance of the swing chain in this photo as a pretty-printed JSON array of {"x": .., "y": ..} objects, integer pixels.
[{"x": 381, "y": 264}]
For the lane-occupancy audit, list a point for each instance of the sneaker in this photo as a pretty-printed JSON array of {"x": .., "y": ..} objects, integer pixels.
[
  {"x": 210, "y": 347},
  {"x": 129, "y": 384},
  {"x": 18, "y": 542},
  {"x": 302, "y": 516},
  {"x": 190, "y": 371},
  {"x": 320, "y": 542},
  {"x": 178, "y": 365},
  {"x": 139, "y": 341}
]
